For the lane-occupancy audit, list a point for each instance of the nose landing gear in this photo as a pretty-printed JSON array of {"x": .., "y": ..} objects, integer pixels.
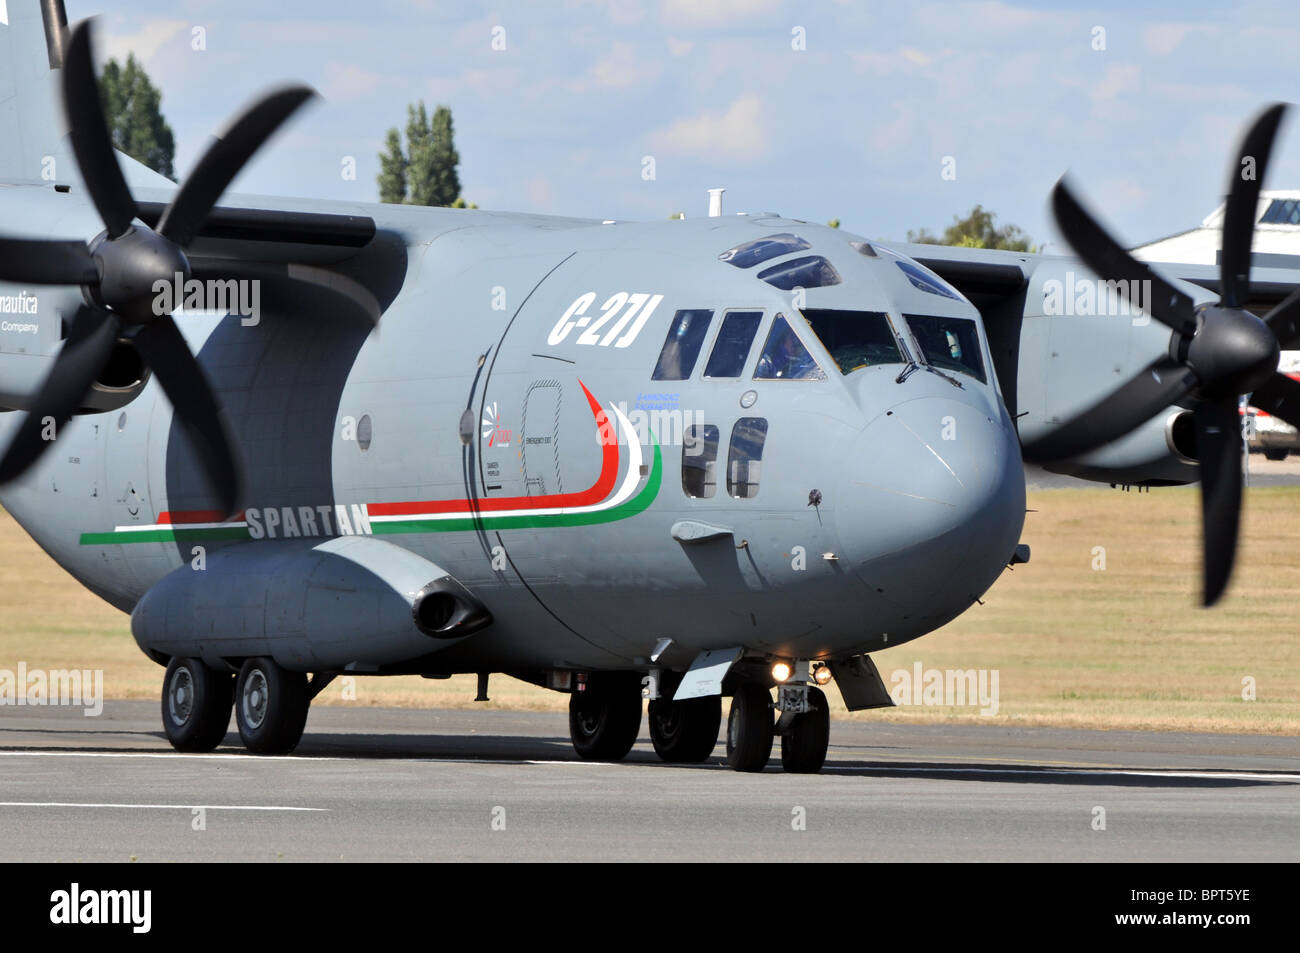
[{"x": 804, "y": 727}]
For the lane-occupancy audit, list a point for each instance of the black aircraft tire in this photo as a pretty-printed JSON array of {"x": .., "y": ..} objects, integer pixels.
[
  {"x": 1275, "y": 455},
  {"x": 685, "y": 732},
  {"x": 749, "y": 729},
  {"x": 270, "y": 706},
  {"x": 803, "y": 746},
  {"x": 604, "y": 720},
  {"x": 196, "y": 703}
]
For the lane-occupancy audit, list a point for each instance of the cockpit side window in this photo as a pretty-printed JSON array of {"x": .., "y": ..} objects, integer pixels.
[
  {"x": 925, "y": 280},
  {"x": 731, "y": 349},
  {"x": 812, "y": 271},
  {"x": 745, "y": 457},
  {"x": 855, "y": 338},
  {"x": 785, "y": 357},
  {"x": 760, "y": 250},
  {"x": 700, "y": 461},
  {"x": 682, "y": 346},
  {"x": 951, "y": 344}
]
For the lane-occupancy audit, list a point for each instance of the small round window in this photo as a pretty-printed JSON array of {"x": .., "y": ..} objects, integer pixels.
[{"x": 364, "y": 432}]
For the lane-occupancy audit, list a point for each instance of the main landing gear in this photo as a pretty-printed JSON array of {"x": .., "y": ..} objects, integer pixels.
[
  {"x": 196, "y": 703},
  {"x": 270, "y": 704},
  {"x": 605, "y": 718}
]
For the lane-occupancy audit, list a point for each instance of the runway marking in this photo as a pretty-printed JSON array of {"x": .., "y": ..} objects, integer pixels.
[
  {"x": 164, "y": 807},
  {"x": 307, "y": 759},
  {"x": 1099, "y": 772},
  {"x": 1090, "y": 769},
  {"x": 297, "y": 759}
]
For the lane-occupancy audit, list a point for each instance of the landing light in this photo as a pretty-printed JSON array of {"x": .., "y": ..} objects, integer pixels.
[
  {"x": 781, "y": 671},
  {"x": 822, "y": 674}
]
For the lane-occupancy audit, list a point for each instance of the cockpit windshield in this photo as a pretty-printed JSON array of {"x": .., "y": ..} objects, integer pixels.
[
  {"x": 785, "y": 358},
  {"x": 951, "y": 344},
  {"x": 855, "y": 338},
  {"x": 759, "y": 250}
]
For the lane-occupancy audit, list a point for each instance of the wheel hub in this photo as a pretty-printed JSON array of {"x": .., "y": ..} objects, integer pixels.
[
  {"x": 254, "y": 700},
  {"x": 180, "y": 699}
]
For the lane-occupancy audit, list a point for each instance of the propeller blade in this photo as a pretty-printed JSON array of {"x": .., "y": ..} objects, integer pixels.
[
  {"x": 1279, "y": 397},
  {"x": 90, "y": 138},
  {"x": 37, "y": 262},
  {"x": 233, "y": 148},
  {"x": 1110, "y": 261},
  {"x": 83, "y": 356},
  {"x": 196, "y": 407},
  {"x": 1163, "y": 383},
  {"x": 1284, "y": 319},
  {"x": 1243, "y": 201},
  {"x": 1218, "y": 445}
]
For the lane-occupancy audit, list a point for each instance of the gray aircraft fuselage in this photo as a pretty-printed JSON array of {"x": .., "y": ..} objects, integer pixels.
[{"x": 563, "y": 508}]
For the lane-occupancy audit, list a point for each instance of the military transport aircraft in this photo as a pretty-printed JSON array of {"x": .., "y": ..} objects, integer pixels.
[{"x": 675, "y": 460}]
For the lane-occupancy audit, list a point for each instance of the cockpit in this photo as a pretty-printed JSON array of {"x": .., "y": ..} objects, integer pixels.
[{"x": 853, "y": 338}]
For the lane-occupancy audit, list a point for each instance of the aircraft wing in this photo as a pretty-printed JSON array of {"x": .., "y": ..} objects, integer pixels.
[{"x": 989, "y": 276}]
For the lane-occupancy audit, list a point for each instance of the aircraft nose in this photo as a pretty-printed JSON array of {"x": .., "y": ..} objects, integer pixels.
[{"x": 934, "y": 508}]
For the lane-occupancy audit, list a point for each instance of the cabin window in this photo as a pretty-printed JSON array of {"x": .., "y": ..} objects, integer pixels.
[
  {"x": 855, "y": 338},
  {"x": 950, "y": 344},
  {"x": 785, "y": 357},
  {"x": 925, "y": 280},
  {"x": 745, "y": 457},
  {"x": 731, "y": 349},
  {"x": 682, "y": 346},
  {"x": 811, "y": 272},
  {"x": 762, "y": 249},
  {"x": 700, "y": 461}
]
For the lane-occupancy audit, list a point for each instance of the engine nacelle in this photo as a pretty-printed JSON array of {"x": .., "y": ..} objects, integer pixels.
[
  {"x": 352, "y": 603},
  {"x": 122, "y": 379},
  {"x": 1080, "y": 339},
  {"x": 1161, "y": 452}
]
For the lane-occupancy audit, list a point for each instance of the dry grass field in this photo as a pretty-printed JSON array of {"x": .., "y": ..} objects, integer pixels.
[{"x": 1119, "y": 647}]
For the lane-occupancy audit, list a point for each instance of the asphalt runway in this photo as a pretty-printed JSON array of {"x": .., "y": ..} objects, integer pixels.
[{"x": 403, "y": 785}]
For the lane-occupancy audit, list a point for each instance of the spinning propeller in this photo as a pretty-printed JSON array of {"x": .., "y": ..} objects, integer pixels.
[
  {"x": 118, "y": 269},
  {"x": 1217, "y": 353}
]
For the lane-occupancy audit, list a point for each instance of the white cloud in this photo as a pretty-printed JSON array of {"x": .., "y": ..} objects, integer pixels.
[
  {"x": 737, "y": 133},
  {"x": 622, "y": 67},
  {"x": 716, "y": 12},
  {"x": 1117, "y": 79},
  {"x": 1161, "y": 39},
  {"x": 540, "y": 193},
  {"x": 144, "y": 42},
  {"x": 678, "y": 47},
  {"x": 347, "y": 82}
]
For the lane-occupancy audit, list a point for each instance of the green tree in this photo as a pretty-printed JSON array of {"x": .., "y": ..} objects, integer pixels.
[
  {"x": 133, "y": 109},
  {"x": 444, "y": 181},
  {"x": 392, "y": 170},
  {"x": 977, "y": 230},
  {"x": 834, "y": 223},
  {"x": 426, "y": 173}
]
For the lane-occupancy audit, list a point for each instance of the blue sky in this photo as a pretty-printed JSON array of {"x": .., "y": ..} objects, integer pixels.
[{"x": 855, "y": 126}]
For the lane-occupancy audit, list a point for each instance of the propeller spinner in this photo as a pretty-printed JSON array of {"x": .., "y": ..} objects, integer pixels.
[
  {"x": 120, "y": 266},
  {"x": 1217, "y": 354}
]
